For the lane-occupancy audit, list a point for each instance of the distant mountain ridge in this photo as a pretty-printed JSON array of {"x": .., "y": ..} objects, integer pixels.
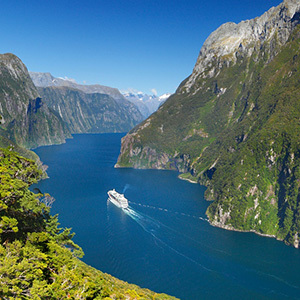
[
  {"x": 233, "y": 126},
  {"x": 46, "y": 79},
  {"x": 87, "y": 108},
  {"x": 147, "y": 104},
  {"x": 91, "y": 113}
]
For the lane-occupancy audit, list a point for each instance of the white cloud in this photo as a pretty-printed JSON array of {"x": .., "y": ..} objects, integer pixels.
[{"x": 154, "y": 92}]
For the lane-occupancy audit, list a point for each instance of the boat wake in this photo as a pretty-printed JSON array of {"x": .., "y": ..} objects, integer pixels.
[
  {"x": 163, "y": 234},
  {"x": 147, "y": 223},
  {"x": 196, "y": 252},
  {"x": 169, "y": 211},
  {"x": 165, "y": 237}
]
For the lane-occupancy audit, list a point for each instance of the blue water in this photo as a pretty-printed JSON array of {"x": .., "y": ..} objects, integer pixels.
[{"x": 163, "y": 242}]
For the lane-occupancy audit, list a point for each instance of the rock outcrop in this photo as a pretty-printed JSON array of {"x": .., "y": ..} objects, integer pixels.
[{"x": 232, "y": 41}]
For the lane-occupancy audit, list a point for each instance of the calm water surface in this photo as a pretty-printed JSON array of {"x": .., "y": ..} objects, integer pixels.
[{"x": 164, "y": 241}]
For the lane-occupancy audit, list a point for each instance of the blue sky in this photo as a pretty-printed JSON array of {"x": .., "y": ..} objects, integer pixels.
[{"x": 140, "y": 44}]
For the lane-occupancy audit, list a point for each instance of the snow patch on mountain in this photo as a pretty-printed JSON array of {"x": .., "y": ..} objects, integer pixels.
[{"x": 147, "y": 104}]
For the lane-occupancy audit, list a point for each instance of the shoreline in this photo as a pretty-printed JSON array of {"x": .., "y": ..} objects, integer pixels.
[
  {"x": 187, "y": 179},
  {"x": 226, "y": 227}
]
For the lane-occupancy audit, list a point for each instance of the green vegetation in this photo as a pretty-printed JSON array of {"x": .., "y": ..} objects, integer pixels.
[
  {"x": 237, "y": 132},
  {"x": 38, "y": 260},
  {"x": 257, "y": 182},
  {"x": 188, "y": 176},
  {"x": 5, "y": 143}
]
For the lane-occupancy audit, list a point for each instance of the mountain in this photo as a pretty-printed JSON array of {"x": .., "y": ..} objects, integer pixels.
[
  {"x": 90, "y": 113},
  {"x": 47, "y": 80},
  {"x": 233, "y": 125},
  {"x": 87, "y": 108},
  {"x": 162, "y": 98},
  {"x": 147, "y": 104},
  {"x": 24, "y": 118}
]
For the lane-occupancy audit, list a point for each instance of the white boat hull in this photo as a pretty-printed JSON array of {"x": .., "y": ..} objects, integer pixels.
[
  {"x": 117, "y": 199},
  {"x": 116, "y": 203}
]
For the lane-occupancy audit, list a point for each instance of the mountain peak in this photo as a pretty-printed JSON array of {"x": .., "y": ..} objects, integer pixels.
[
  {"x": 147, "y": 104},
  {"x": 231, "y": 40},
  {"x": 47, "y": 80}
]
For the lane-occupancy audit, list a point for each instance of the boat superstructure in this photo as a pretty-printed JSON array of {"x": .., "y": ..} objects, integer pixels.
[{"x": 117, "y": 199}]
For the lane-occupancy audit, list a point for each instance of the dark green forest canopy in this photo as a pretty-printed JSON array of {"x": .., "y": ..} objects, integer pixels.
[{"x": 38, "y": 260}]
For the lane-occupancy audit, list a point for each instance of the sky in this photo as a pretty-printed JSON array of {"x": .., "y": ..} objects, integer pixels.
[{"x": 146, "y": 45}]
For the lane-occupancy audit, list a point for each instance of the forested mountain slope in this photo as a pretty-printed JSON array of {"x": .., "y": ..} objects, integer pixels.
[{"x": 233, "y": 125}]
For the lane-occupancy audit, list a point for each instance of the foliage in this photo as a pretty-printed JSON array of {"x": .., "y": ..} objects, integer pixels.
[
  {"x": 38, "y": 260},
  {"x": 262, "y": 191}
]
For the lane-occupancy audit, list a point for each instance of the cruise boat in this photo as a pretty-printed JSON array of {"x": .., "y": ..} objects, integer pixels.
[{"x": 117, "y": 199}]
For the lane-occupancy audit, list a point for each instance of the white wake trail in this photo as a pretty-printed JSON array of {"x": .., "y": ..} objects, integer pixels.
[
  {"x": 169, "y": 211},
  {"x": 156, "y": 229}
]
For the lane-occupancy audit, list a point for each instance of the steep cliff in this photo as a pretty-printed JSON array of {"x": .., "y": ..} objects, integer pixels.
[
  {"x": 91, "y": 112},
  {"x": 24, "y": 118},
  {"x": 233, "y": 125}
]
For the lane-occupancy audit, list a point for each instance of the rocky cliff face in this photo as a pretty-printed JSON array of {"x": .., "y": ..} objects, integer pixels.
[
  {"x": 232, "y": 41},
  {"x": 91, "y": 113},
  {"x": 24, "y": 118},
  {"x": 233, "y": 126}
]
